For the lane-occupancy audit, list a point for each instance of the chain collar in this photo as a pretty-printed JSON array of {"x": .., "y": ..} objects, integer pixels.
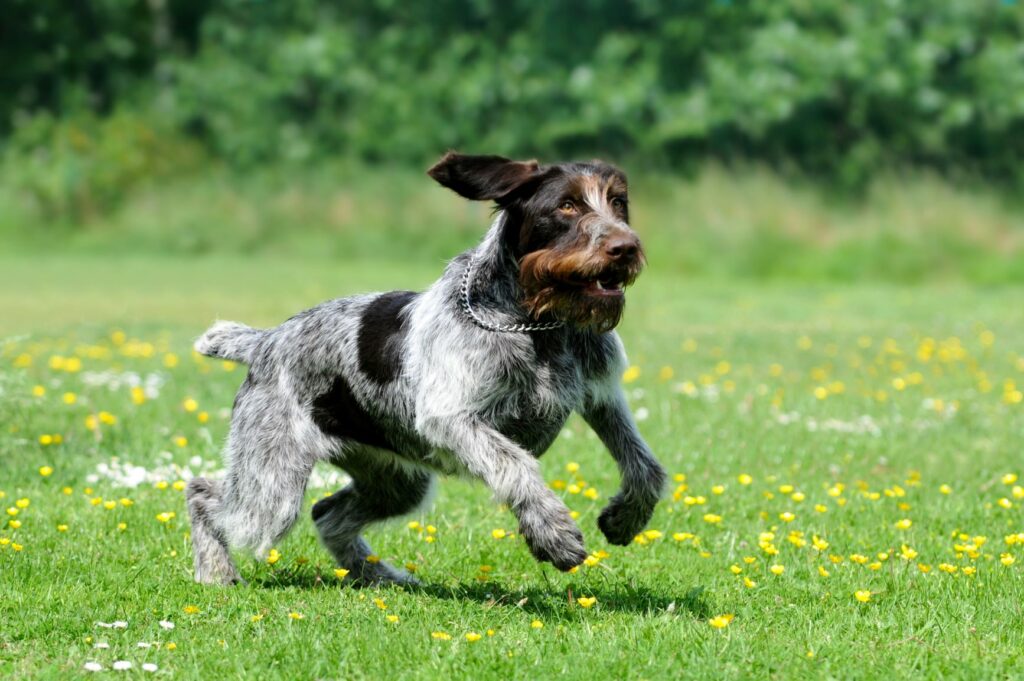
[{"x": 467, "y": 278}]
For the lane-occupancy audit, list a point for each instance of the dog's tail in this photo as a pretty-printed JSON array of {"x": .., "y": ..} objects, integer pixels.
[{"x": 229, "y": 340}]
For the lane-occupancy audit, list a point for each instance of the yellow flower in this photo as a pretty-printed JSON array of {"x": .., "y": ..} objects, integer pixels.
[
  {"x": 945, "y": 489},
  {"x": 138, "y": 395},
  {"x": 718, "y": 489},
  {"x": 473, "y": 637},
  {"x": 380, "y": 603},
  {"x": 191, "y": 610},
  {"x": 818, "y": 543},
  {"x": 969, "y": 570},
  {"x": 203, "y": 417},
  {"x": 1005, "y": 503},
  {"x": 70, "y": 398},
  {"x": 256, "y": 618},
  {"x": 777, "y": 569},
  {"x": 735, "y": 569},
  {"x": 904, "y": 524},
  {"x": 720, "y": 621},
  {"x": 189, "y": 405},
  {"x": 440, "y": 636},
  {"x": 45, "y": 440},
  {"x": 24, "y": 502},
  {"x": 822, "y": 571},
  {"x": 590, "y": 561},
  {"x": 296, "y": 615},
  {"x": 64, "y": 528},
  {"x": 46, "y": 471},
  {"x": 122, "y": 526},
  {"x": 180, "y": 441},
  {"x": 498, "y": 533},
  {"x": 744, "y": 479},
  {"x": 652, "y": 534},
  {"x": 572, "y": 467},
  {"x": 631, "y": 374},
  {"x": 590, "y": 493},
  {"x": 1007, "y": 559},
  {"x": 712, "y": 518},
  {"x": 537, "y": 624},
  {"x": 273, "y": 556},
  {"x": 585, "y": 601},
  {"x": 907, "y": 553},
  {"x": 179, "y": 485},
  {"x": 165, "y": 517},
  {"x": 340, "y": 573},
  {"x": 110, "y": 505},
  {"x": 749, "y": 583},
  {"x": 392, "y": 618},
  {"x": 862, "y": 595},
  {"x": 1009, "y": 478},
  {"x": 787, "y": 517},
  {"x": 373, "y": 558},
  {"x": 38, "y": 391}
]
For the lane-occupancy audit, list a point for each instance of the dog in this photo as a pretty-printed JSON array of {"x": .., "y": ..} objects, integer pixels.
[{"x": 475, "y": 376}]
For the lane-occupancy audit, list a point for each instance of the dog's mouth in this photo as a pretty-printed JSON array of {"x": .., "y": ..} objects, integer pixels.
[{"x": 607, "y": 285}]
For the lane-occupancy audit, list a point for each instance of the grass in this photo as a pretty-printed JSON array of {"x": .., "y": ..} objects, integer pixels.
[
  {"x": 858, "y": 400},
  {"x": 742, "y": 223}
]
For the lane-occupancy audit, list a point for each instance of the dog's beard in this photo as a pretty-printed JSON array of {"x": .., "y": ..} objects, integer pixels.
[{"x": 566, "y": 286}]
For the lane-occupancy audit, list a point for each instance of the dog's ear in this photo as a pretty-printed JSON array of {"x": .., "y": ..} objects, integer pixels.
[{"x": 483, "y": 177}]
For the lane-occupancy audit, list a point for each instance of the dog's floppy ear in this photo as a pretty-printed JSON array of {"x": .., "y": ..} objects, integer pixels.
[{"x": 482, "y": 177}]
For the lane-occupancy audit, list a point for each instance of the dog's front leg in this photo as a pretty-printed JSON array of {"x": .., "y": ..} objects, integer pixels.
[
  {"x": 514, "y": 476},
  {"x": 643, "y": 478}
]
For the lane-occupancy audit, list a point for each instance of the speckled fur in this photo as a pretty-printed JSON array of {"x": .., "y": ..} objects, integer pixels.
[{"x": 394, "y": 402}]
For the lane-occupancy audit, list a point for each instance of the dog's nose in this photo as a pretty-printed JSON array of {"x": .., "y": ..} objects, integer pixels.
[{"x": 622, "y": 248}]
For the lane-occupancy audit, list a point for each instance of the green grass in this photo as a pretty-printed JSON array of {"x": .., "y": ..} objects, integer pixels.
[
  {"x": 741, "y": 223},
  {"x": 726, "y": 410}
]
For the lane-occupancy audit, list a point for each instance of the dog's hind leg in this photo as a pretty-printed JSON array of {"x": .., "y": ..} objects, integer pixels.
[
  {"x": 212, "y": 561},
  {"x": 378, "y": 491},
  {"x": 270, "y": 454}
]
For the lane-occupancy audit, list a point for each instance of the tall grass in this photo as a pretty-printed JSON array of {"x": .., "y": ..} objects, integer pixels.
[{"x": 749, "y": 223}]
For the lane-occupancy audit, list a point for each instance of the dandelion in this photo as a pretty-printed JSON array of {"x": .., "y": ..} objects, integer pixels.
[
  {"x": 777, "y": 569},
  {"x": 720, "y": 621},
  {"x": 712, "y": 518},
  {"x": 256, "y": 618},
  {"x": 392, "y": 618},
  {"x": 1005, "y": 503},
  {"x": 191, "y": 610},
  {"x": 586, "y": 602},
  {"x": 190, "y": 405},
  {"x": 945, "y": 489},
  {"x": 69, "y": 398},
  {"x": 749, "y": 583},
  {"x": 631, "y": 374},
  {"x": 744, "y": 479},
  {"x": 340, "y": 573},
  {"x": 822, "y": 571},
  {"x": 380, "y": 603},
  {"x": 273, "y": 556},
  {"x": 1007, "y": 559},
  {"x": 787, "y": 517},
  {"x": 46, "y": 471},
  {"x": 296, "y": 616},
  {"x": 440, "y": 636},
  {"x": 537, "y": 624},
  {"x": 1009, "y": 478},
  {"x": 862, "y": 595},
  {"x": 473, "y": 637},
  {"x": 62, "y": 528},
  {"x": 171, "y": 645}
]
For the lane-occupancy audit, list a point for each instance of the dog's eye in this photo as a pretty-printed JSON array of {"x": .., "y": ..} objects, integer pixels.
[
  {"x": 567, "y": 207},
  {"x": 619, "y": 203}
]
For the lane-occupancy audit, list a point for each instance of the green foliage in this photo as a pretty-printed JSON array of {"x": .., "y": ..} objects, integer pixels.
[
  {"x": 79, "y": 167},
  {"x": 831, "y": 88}
]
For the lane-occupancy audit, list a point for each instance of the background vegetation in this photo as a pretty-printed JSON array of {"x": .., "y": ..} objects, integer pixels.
[{"x": 766, "y": 138}]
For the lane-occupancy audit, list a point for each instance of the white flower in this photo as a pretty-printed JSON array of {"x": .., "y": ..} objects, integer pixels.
[
  {"x": 122, "y": 665},
  {"x": 165, "y": 624},
  {"x": 92, "y": 667},
  {"x": 119, "y": 624},
  {"x": 148, "y": 667},
  {"x": 143, "y": 644},
  {"x": 103, "y": 645}
]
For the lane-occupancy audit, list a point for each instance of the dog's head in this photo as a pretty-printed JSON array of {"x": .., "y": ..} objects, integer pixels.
[{"x": 567, "y": 226}]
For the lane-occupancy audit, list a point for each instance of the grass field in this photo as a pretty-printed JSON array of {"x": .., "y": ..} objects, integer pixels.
[{"x": 844, "y": 503}]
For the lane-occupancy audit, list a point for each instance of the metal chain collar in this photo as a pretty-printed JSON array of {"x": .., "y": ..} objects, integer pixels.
[{"x": 489, "y": 326}]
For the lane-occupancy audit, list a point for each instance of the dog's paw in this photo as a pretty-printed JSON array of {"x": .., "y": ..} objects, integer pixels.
[
  {"x": 621, "y": 521},
  {"x": 553, "y": 537}
]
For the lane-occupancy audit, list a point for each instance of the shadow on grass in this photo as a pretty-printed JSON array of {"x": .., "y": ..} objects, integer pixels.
[{"x": 541, "y": 601}]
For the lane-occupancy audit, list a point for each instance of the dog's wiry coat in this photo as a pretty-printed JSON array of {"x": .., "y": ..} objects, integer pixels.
[{"x": 395, "y": 387}]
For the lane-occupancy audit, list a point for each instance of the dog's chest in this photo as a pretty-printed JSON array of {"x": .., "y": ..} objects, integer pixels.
[{"x": 542, "y": 390}]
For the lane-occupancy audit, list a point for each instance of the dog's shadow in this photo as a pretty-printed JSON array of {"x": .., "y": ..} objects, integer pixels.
[{"x": 625, "y": 597}]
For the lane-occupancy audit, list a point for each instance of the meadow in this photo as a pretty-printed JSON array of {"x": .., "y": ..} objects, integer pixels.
[{"x": 844, "y": 499}]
